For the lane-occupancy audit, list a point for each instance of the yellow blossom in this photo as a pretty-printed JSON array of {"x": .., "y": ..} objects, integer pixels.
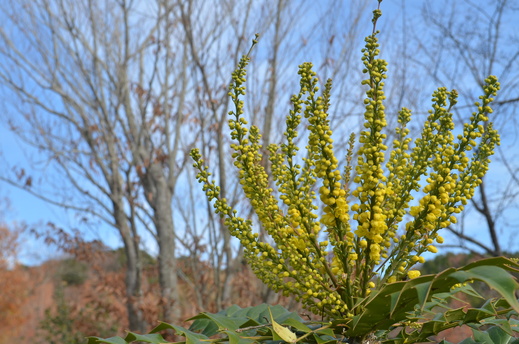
[
  {"x": 413, "y": 274},
  {"x": 317, "y": 245}
]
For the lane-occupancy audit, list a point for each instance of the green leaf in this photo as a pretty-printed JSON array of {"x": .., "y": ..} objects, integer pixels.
[
  {"x": 498, "y": 335},
  {"x": 497, "y": 278},
  {"x": 454, "y": 318},
  {"x": 469, "y": 341},
  {"x": 235, "y": 317},
  {"x": 222, "y": 322},
  {"x": 111, "y": 340},
  {"x": 500, "y": 324},
  {"x": 191, "y": 337},
  {"x": 482, "y": 337},
  {"x": 283, "y": 332},
  {"x": 327, "y": 331},
  {"x": 204, "y": 326},
  {"x": 297, "y": 325},
  {"x": 395, "y": 301},
  {"x": 325, "y": 339},
  {"x": 237, "y": 338},
  {"x": 154, "y": 338},
  {"x": 514, "y": 324}
]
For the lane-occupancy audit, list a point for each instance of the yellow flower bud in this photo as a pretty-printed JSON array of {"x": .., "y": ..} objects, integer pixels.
[{"x": 413, "y": 274}]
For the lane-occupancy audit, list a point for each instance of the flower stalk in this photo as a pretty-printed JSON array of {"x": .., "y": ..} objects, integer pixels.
[{"x": 335, "y": 238}]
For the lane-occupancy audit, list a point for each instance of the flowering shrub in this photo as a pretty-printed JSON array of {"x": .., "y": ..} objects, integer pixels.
[
  {"x": 344, "y": 240},
  {"x": 332, "y": 247}
]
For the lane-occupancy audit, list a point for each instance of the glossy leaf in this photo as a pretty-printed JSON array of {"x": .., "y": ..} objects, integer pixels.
[
  {"x": 191, "y": 337},
  {"x": 283, "y": 332},
  {"x": 153, "y": 338},
  {"x": 394, "y": 301}
]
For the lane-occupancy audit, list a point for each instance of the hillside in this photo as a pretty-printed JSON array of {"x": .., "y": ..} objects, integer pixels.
[{"x": 62, "y": 301}]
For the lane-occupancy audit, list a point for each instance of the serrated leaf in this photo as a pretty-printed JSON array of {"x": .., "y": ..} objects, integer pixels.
[
  {"x": 393, "y": 302},
  {"x": 469, "y": 290},
  {"x": 496, "y": 278},
  {"x": 153, "y": 338},
  {"x": 501, "y": 324},
  {"x": 223, "y": 322},
  {"x": 235, "y": 317},
  {"x": 204, "y": 326},
  {"x": 191, "y": 337}
]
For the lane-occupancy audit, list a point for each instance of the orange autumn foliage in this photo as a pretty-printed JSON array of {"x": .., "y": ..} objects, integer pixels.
[{"x": 14, "y": 280}]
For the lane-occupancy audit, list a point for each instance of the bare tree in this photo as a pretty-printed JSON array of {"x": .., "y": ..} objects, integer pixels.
[
  {"x": 99, "y": 99},
  {"x": 467, "y": 43},
  {"x": 113, "y": 94},
  {"x": 111, "y": 97}
]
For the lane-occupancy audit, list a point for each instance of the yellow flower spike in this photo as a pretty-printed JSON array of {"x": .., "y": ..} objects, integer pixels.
[{"x": 310, "y": 250}]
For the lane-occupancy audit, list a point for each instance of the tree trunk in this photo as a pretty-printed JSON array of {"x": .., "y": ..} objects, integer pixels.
[
  {"x": 133, "y": 270},
  {"x": 133, "y": 286},
  {"x": 159, "y": 196}
]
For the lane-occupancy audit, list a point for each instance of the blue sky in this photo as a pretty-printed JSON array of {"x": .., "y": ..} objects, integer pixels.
[{"x": 25, "y": 208}]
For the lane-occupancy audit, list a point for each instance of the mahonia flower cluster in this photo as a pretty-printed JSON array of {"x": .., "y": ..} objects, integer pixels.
[{"x": 320, "y": 250}]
